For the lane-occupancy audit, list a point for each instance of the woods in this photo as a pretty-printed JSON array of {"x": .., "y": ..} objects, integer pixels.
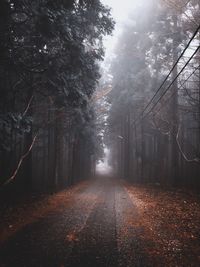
[
  {"x": 99, "y": 133},
  {"x": 51, "y": 131},
  {"x": 153, "y": 124},
  {"x": 49, "y": 70}
]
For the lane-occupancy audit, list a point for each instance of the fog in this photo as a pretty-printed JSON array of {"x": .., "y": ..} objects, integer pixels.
[
  {"x": 81, "y": 95},
  {"x": 103, "y": 166},
  {"x": 120, "y": 11},
  {"x": 151, "y": 64}
]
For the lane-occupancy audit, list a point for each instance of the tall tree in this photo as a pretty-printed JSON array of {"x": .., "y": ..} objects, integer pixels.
[{"x": 49, "y": 72}]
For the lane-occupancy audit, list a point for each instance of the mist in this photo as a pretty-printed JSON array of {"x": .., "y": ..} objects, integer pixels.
[
  {"x": 103, "y": 166},
  {"x": 99, "y": 133},
  {"x": 153, "y": 115}
]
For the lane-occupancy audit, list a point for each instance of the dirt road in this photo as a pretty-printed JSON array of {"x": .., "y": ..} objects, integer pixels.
[{"x": 92, "y": 230}]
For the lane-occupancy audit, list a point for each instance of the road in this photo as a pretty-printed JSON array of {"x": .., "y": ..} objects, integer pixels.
[{"x": 93, "y": 231}]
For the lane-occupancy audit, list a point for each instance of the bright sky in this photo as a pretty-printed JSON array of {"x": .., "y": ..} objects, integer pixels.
[
  {"x": 120, "y": 12},
  {"x": 103, "y": 167}
]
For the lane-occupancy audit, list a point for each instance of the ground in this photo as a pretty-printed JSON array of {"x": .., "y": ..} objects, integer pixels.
[{"x": 103, "y": 222}]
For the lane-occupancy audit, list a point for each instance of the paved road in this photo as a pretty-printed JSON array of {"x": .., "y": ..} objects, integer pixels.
[{"x": 94, "y": 231}]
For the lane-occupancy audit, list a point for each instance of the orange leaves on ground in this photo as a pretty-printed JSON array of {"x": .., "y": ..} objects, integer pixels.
[
  {"x": 35, "y": 208},
  {"x": 171, "y": 223},
  {"x": 71, "y": 237}
]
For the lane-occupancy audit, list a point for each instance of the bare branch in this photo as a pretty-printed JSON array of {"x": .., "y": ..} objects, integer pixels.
[
  {"x": 21, "y": 161},
  {"x": 195, "y": 160},
  {"x": 28, "y": 106},
  {"x": 172, "y": 4},
  {"x": 159, "y": 128}
]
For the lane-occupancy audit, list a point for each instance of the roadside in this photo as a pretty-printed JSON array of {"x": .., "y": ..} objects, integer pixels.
[
  {"x": 103, "y": 222},
  {"x": 171, "y": 223},
  {"x": 17, "y": 214}
]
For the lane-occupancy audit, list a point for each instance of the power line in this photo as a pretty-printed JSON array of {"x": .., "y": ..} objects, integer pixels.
[
  {"x": 160, "y": 87},
  {"x": 182, "y": 84},
  {"x": 195, "y": 33},
  {"x": 171, "y": 83}
]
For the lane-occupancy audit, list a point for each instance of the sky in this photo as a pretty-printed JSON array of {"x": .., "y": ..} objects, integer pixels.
[
  {"x": 103, "y": 166},
  {"x": 120, "y": 12}
]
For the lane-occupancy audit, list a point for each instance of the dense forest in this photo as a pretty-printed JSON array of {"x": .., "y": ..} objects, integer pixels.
[
  {"x": 51, "y": 130},
  {"x": 153, "y": 109},
  {"x": 99, "y": 133},
  {"x": 49, "y": 71}
]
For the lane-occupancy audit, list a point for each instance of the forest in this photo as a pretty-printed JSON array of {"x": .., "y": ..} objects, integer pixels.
[
  {"x": 49, "y": 71},
  {"x": 154, "y": 105},
  {"x": 99, "y": 133}
]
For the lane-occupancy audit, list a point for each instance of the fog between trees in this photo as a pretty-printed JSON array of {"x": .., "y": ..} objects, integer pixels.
[
  {"x": 153, "y": 125},
  {"x": 57, "y": 113}
]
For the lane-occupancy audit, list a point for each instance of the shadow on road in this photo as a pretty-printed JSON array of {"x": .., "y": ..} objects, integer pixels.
[{"x": 94, "y": 231}]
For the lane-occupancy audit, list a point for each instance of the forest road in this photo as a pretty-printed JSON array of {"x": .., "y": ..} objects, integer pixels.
[{"x": 94, "y": 230}]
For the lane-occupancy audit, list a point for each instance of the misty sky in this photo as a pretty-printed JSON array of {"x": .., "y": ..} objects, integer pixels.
[{"x": 120, "y": 13}]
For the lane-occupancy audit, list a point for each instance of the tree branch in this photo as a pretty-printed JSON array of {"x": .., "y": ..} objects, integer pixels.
[
  {"x": 21, "y": 161},
  {"x": 195, "y": 160},
  {"x": 28, "y": 106}
]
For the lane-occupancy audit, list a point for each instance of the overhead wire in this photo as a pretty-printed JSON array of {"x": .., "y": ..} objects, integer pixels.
[
  {"x": 166, "y": 78},
  {"x": 183, "y": 52},
  {"x": 171, "y": 83},
  {"x": 181, "y": 85}
]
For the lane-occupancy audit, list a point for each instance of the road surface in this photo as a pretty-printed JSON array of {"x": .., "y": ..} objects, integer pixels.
[{"x": 93, "y": 231}]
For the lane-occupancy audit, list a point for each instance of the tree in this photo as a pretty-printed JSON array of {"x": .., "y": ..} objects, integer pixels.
[
  {"x": 50, "y": 70},
  {"x": 146, "y": 113}
]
